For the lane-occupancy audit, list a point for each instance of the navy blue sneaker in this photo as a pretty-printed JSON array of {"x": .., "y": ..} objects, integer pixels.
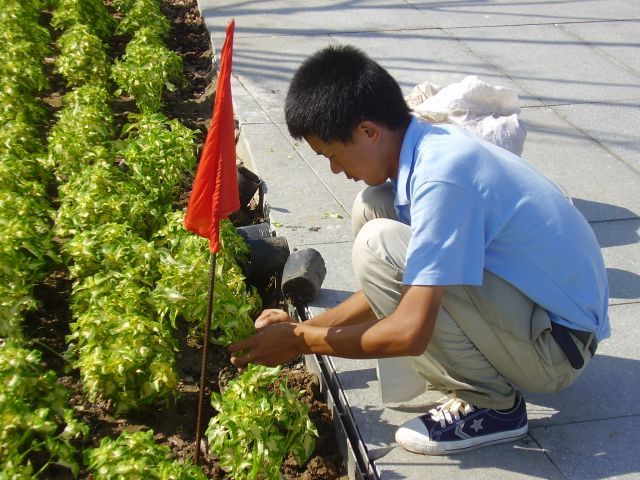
[{"x": 456, "y": 426}]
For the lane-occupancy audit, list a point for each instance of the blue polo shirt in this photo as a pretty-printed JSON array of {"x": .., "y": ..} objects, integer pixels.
[{"x": 474, "y": 206}]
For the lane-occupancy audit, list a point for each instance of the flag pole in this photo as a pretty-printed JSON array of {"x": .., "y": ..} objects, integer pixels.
[
  {"x": 205, "y": 351},
  {"x": 214, "y": 195}
]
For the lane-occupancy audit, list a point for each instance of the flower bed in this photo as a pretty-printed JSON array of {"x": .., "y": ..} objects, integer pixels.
[{"x": 107, "y": 204}]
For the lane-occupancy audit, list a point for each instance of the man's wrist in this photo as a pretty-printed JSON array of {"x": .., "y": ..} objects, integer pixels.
[{"x": 302, "y": 335}]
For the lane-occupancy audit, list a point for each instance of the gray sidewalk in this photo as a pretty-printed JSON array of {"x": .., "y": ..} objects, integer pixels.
[{"x": 576, "y": 68}]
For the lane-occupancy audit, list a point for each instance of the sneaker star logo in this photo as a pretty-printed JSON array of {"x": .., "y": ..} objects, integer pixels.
[{"x": 477, "y": 424}]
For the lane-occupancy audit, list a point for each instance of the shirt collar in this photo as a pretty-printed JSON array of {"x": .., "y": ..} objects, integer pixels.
[{"x": 415, "y": 131}]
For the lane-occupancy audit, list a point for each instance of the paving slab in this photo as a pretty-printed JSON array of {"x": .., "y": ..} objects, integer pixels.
[
  {"x": 314, "y": 17},
  {"x": 265, "y": 69},
  {"x": 265, "y": 66},
  {"x": 508, "y": 12},
  {"x": 247, "y": 106},
  {"x": 300, "y": 206},
  {"x": 593, "y": 450},
  {"x": 552, "y": 64},
  {"x": 620, "y": 242},
  {"x": 429, "y": 55},
  {"x": 619, "y": 40},
  {"x": 614, "y": 126},
  {"x": 519, "y": 460},
  {"x": 601, "y": 185}
]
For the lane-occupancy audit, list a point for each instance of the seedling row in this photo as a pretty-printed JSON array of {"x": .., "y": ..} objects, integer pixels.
[{"x": 101, "y": 200}]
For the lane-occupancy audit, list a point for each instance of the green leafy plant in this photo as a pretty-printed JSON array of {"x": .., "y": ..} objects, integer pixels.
[
  {"x": 126, "y": 357},
  {"x": 109, "y": 247},
  {"x": 22, "y": 8},
  {"x": 259, "y": 422},
  {"x": 18, "y": 69},
  {"x": 137, "y": 455},
  {"x": 23, "y": 175},
  {"x": 147, "y": 69},
  {"x": 145, "y": 14},
  {"x": 183, "y": 285},
  {"x": 159, "y": 154},
  {"x": 35, "y": 416},
  {"x": 92, "y": 13},
  {"x": 15, "y": 298},
  {"x": 29, "y": 109},
  {"x": 19, "y": 22},
  {"x": 20, "y": 138},
  {"x": 123, "y": 291},
  {"x": 123, "y": 6},
  {"x": 24, "y": 45},
  {"x": 84, "y": 126},
  {"x": 103, "y": 193},
  {"x": 26, "y": 248},
  {"x": 123, "y": 351},
  {"x": 83, "y": 57}
]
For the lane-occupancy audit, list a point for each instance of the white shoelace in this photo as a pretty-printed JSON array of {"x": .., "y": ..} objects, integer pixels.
[{"x": 450, "y": 411}]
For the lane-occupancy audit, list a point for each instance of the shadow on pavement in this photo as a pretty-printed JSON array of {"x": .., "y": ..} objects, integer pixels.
[{"x": 606, "y": 212}]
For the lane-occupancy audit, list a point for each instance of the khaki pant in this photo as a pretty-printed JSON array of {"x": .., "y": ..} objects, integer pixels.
[{"x": 488, "y": 341}]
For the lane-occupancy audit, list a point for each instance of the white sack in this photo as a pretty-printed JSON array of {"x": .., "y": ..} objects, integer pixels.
[{"x": 488, "y": 111}]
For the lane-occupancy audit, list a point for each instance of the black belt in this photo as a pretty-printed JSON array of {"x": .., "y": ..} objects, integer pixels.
[{"x": 561, "y": 335}]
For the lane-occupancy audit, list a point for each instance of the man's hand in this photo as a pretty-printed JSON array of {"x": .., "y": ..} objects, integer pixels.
[
  {"x": 271, "y": 316},
  {"x": 274, "y": 344}
]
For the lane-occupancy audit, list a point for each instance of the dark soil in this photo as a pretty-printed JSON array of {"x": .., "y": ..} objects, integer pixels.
[{"x": 173, "y": 423}]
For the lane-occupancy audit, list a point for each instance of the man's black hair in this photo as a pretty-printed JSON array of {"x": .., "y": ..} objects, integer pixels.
[{"x": 337, "y": 88}]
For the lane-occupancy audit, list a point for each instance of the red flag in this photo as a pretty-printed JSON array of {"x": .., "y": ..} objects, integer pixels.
[{"x": 215, "y": 190}]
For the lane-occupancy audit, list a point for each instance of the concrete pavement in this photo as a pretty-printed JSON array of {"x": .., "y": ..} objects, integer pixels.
[{"x": 576, "y": 68}]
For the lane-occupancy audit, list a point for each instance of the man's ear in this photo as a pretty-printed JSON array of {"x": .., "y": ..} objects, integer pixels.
[{"x": 370, "y": 130}]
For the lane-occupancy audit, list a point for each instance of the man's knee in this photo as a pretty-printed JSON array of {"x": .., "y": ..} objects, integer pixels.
[
  {"x": 378, "y": 255},
  {"x": 380, "y": 240},
  {"x": 371, "y": 203}
]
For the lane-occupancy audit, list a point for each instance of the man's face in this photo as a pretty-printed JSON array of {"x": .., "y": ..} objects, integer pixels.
[{"x": 358, "y": 159}]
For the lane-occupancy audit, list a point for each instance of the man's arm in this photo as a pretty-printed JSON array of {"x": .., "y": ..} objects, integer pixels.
[
  {"x": 406, "y": 331},
  {"x": 354, "y": 309}
]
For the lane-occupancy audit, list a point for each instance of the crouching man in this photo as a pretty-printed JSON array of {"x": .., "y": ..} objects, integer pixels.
[{"x": 472, "y": 266}]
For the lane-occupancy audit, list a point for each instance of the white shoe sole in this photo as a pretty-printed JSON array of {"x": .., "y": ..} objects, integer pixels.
[{"x": 412, "y": 441}]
